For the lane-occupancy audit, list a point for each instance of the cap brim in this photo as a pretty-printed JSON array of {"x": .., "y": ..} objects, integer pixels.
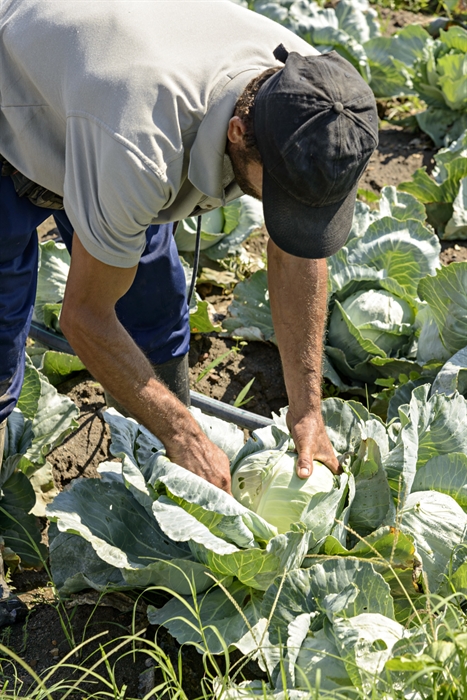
[{"x": 304, "y": 231}]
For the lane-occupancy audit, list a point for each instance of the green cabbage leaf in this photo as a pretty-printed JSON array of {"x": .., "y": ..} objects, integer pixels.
[
  {"x": 444, "y": 193},
  {"x": 40, "y": 422},
  {"x": 222, "y": 230},
  {"x": 345, "y": 28},
  {"x": 388, "y": 252}
]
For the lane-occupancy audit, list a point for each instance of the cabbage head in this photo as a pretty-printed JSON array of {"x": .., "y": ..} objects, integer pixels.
[
  {"x": 378, "y": 316},
  {"x": 267, "y": 484}
]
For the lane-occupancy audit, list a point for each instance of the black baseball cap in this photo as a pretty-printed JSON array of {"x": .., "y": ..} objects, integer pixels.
[{"x": 316, "y": 126}]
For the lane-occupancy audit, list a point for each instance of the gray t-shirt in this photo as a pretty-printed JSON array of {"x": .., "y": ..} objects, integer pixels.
[{"x": 122, "y": 106}]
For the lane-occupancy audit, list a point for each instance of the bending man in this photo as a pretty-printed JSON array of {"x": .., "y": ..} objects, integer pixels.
[{"x": 132, "y": 115}]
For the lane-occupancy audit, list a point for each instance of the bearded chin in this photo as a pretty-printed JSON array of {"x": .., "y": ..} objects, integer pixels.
[{"x": 240, "y": 162}]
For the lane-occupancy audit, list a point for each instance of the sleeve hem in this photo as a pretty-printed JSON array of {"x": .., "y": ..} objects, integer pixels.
[{"x": 106, "y": 257}]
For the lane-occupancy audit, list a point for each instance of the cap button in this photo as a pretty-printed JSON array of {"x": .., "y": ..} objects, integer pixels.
[{"x": 338, "y": 107}]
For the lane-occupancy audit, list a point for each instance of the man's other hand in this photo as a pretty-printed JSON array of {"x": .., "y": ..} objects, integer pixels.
[
  {"x": 202, "y": 457},
  {"x": 312, "y": 443}
]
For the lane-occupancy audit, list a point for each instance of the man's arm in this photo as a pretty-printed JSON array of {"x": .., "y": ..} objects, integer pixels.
[
  {"x": 90, "y": 324},
  {"x": 298, "y": 296}
]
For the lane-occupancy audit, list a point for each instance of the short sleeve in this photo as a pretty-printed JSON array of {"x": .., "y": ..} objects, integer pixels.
[{"x": 112, "y": 192}]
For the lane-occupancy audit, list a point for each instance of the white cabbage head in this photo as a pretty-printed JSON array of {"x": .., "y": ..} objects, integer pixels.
[
  {"x": 380, "y": 316},
  {"x": 267, "y": 483}
]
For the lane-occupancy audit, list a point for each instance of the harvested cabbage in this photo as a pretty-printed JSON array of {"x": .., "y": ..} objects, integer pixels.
[{"x": 267, "y": 484}]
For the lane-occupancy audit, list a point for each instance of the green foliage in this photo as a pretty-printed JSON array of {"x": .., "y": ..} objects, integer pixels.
[
  {"x": 344, "y": 28},
  {"x": 222, "y": 230},
  {"x": 348, "y": 599},
  {"x": 56, "y": 366},
  {"x": 387, "y": 253},
  {"x": 413, "y": 63},
  {"x": 379, "y": 321},
  {"x": 392, "y": 61},
  {"x": 40, "y": 422},
  {"x": 445, "y": 194},
  {"x": 241, "y": 399}
]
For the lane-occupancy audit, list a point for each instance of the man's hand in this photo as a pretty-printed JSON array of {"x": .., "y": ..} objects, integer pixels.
[
  {"x": 91, "y": 326},
  {"x": 312, "y": 442},
  {"x": 203, "y": 458}
]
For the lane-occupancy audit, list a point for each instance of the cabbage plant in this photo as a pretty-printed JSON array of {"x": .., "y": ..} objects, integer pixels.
[
  {"x": 377, "y": 319},
  {"x": 348, "y": 612},
  {"x": 375, "y": 309},
  {"x": 313, "y": 602},
  {"x": 444, "y": 194},
  {"x": 441, "y": 81},
  {"x": 413, "y": 63},
  {"x": 445, "y": 315},
  {"x": 39, "y": 423},
  {"x": 189, "y": 525},
  {"x": 344, "y": 28},
  {"x": 267, "y": 483},
  {"x": 223, "y": 230},
  {"x": 392, "y": 60}
]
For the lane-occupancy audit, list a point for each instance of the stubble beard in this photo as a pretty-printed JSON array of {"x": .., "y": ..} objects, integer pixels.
[{"x": 240, "y": 163}]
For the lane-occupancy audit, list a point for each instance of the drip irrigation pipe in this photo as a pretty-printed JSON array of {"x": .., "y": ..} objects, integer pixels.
[{"x": 213, "y": 407}]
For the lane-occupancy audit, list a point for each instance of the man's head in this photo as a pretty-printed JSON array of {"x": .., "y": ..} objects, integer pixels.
[
  {"x": 300, "y": 140},
  {"x": 242, "y": 147}
]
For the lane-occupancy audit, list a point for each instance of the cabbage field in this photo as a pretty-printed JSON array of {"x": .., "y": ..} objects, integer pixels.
[{"x": 142, "y": 580}]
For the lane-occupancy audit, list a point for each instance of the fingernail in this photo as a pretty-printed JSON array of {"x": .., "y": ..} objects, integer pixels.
[{"x": 303, "y": 472}]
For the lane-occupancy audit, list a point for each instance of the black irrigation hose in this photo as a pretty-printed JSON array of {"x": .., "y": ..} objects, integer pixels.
[
  {"x": 213, "y": 407},
  {"x": 49, "y": 338},
  {"x": 195, "y": 261}
]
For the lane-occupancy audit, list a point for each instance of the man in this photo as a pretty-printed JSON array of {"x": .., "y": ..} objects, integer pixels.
[{"x": 139, "y": 114}]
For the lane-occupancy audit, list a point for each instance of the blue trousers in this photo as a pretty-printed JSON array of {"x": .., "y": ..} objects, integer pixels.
[{"x": 153, "y": 311}]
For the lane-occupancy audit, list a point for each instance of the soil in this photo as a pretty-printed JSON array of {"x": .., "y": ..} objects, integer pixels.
[{"x": 42, "y": 640}]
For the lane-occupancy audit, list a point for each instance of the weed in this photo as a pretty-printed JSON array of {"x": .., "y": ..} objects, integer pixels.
[
  {"x": 239, "y": 345},
  {"x": 241, "y": 400}
]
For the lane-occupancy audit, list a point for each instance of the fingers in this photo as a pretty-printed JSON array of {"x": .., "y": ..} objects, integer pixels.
[
  {"x": 312, "y": 444},
  {"x": 305, "y": 459},
  {"x": 331, "y": 462},
  {"x": 308, "y": 451},
  {"x": 224, "y": 483},
  {"x": 304, "y": 466},
  {"x": 204, "y": 459}
]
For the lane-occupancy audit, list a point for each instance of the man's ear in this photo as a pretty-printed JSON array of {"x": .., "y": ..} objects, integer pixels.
[{"x": 236, "y": 130}]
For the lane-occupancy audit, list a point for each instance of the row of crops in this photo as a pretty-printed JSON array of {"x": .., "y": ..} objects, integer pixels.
[
  {"x": 426, "y": 62},
  {"x": 353, "y": 584},
  {"x": 350, "y": 586}
]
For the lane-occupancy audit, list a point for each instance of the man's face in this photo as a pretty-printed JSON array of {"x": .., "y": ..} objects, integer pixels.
[{"x": 248, "y": 173}]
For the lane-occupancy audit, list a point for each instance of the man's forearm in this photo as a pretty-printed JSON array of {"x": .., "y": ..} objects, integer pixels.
[
  {"x": 298, "y": 297},
  {"x": 113, "y": 359},
  {"x": 117, "y": 363},
  {"x": 90, "y": 323}
]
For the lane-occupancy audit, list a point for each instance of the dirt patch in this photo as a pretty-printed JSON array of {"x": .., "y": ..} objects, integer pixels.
[
  {"x": 399, "y": 154},
  {"x": 257, "y": 361},
  {"x": 83, "y": 450},
  {"x": 55, "y": 638},
  {"x": 453, "y": 251},
  {"x": 392, "y": 20}
]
